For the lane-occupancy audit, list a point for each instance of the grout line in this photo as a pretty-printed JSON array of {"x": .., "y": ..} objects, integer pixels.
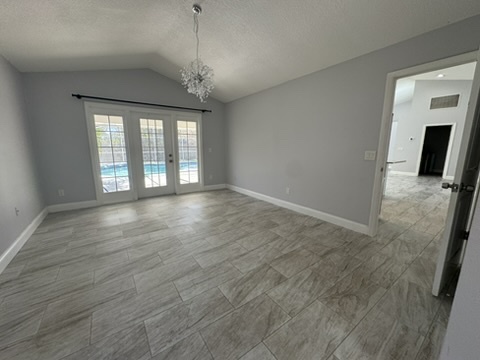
[
  {"x": 91, "y": 329},
  {"x": 148, "y": 338},
  {"x": 206, "y": 345},
  {"x": 271, "y": 352}
]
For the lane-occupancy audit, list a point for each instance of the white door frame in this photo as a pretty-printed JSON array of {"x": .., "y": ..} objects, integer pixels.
[
  {"x": 90, "y": 110},
  {"x": 449, "y": 148},
  {"x": 187, "y": 188},
  {"x": 385, "y": 128},
  {"x": 167, "y": 120},
  {"x": 127, "y": 112}
]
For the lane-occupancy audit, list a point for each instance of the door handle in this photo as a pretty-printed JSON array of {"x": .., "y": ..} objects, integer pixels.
[
  {"x": 452, "y": 186},
  {"x": 467, "y": 188}
]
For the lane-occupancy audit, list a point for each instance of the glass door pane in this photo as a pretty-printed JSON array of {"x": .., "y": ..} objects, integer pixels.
[
  {"x": 187, "y": 132},
  {"x": 153, "y": 153},
  {"x": 112, "y": 153}
]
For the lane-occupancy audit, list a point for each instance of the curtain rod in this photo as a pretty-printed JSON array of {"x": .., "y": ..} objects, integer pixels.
[{"x": 80, "y": 96}]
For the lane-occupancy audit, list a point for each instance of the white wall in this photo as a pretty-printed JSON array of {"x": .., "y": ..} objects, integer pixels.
[
  {"x": 60, "y": 128},
  {"x": 400, "y": 114},
  {"x": 411, "y": 121},
  {"x": 310, "y": 134},
  {"x": 19, "y": 185}
]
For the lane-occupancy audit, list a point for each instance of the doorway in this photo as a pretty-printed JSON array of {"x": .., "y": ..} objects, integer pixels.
[
  {"x": 138, "y": 153},
  {"x": 433, "y": 221},
  {"x": 436, "y": 149}
]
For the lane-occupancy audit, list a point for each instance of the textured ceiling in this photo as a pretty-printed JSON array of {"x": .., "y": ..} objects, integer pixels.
[{"x": 251, "y": 44}]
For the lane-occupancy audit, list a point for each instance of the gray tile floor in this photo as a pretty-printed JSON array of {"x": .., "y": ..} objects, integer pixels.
[{"x": 224, "y": 276}]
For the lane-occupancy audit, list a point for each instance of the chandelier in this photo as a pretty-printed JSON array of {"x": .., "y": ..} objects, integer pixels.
[{"x": 197, "y": 77}]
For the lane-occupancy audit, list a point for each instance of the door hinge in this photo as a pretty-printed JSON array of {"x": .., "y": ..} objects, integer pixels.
[{"x": 466, "y": 234}]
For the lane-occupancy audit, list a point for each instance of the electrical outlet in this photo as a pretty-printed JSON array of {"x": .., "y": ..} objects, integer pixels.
[
  {"x": 209, "y": 150},
  {"x": 210, "y": 177},
  {"x": 370, "y": 155},
  {"x": 287, "y": 191},
  {"x": 61, "y": 192}
]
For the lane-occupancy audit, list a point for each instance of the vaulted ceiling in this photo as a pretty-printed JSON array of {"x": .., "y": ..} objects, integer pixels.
[{"x": 251, "y": 44}]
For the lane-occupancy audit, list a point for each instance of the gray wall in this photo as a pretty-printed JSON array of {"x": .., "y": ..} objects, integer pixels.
[
  {"x": 411, "y": 124},
  {"x": 462, "y": 340},
  {"x": 311, "y": 133},
  {"x": 19, "y": 186},
  {"x": 58, "y": 122}
]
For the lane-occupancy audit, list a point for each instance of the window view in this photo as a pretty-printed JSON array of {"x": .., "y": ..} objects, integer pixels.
[
  {"x": 188, "y": 151},
  {"x": 153, "y": 149},
  {"x": 112, "y": 153}
]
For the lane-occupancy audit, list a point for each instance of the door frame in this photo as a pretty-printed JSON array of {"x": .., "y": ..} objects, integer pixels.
[
  {"x": 449, "y": 148},
  {"x": 386, "y": 124},
  {"x": 138, "y": 150},
  {"x": 90, "y": 109},
  {"x": 188, "y": 188},
  {"x": 127, "y": 112}
]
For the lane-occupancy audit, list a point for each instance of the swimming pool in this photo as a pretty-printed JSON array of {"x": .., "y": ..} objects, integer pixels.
[{"x": 121, "y": 169}]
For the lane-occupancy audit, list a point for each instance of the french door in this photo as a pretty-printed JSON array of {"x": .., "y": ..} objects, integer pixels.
[
  {"x": 154, "y": 161},
  {"x": 138, "y": 153}
]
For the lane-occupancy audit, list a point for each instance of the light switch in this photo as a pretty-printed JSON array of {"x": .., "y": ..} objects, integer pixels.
[{"x": 370, "y": 155}]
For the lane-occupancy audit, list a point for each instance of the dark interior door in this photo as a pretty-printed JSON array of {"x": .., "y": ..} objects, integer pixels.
[{"x": 460, "y": 206}]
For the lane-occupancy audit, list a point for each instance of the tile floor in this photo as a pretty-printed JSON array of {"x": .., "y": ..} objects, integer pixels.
[{"x": 219, "y": 275}]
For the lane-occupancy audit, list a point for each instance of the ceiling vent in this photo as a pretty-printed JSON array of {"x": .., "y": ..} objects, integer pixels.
[{"x": 443, "y": 102}]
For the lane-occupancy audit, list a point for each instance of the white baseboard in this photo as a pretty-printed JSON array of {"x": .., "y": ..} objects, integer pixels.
[
  {"x": 348, "y": 224},
  {"x": 405, "y": 173},
  {"x": 449, "y": 177},
  {"x": 10, "y": 253},
  {"x": 214, "y": 187},
  {"x": 72, "y": 206}
]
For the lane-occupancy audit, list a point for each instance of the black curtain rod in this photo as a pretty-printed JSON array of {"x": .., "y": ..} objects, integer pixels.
[{"x": 80, "y": 96}]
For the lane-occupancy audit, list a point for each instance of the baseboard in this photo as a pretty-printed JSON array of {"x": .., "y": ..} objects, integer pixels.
[
  {"x": 214, "y": 187},
  {"x": 405, "y": 173},
  {"x": 10, "y": 253},
  {"x": 72, "y": 206},
  {"x": 348, "y": 224},
  {"x": 449, "y": 177}
]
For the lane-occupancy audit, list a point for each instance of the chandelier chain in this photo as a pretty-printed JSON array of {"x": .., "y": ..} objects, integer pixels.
[{"x": 195, "y": 30}]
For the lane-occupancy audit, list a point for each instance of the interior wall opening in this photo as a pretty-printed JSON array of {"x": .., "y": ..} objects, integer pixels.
[{"x": 422, "y": 154}]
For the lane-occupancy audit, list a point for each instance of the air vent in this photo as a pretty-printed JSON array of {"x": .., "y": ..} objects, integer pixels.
[{"x": 443, "y": 102}]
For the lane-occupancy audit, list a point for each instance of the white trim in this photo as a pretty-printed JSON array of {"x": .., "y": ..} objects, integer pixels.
[
  {"x": 352, "y": 225},
  {"x": 137, "y": 153},
  {"x": 72, "y": 206},
  {"x": 92, "y": 109},
  {"x": 450, "y": 177},
  {"x": 214, "y": 187},
  {"x": 384, "y": 136},
  {"x": 127, "y": 112},
  {"x": 449, "y": 148},
  {"x": 404, "y": 173},
  {"x": 13, "y": 249},
  {"x": 193, "y": 117}
]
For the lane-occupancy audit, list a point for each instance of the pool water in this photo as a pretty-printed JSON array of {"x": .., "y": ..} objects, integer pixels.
[{"x": 121, "y": 169}]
